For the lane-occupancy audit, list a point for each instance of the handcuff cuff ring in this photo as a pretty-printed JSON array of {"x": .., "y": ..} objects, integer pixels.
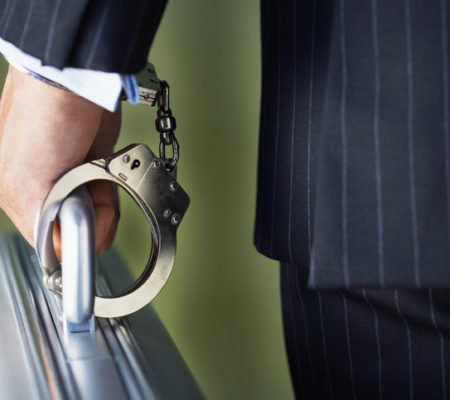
[{"x": 160, "y": 198}]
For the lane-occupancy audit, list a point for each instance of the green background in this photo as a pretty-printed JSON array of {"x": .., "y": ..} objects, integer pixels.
[{"x": 221, "y": 304}]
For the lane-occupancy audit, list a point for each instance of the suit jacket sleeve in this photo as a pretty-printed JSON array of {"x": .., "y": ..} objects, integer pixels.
[{"x": 104, "y": 35}]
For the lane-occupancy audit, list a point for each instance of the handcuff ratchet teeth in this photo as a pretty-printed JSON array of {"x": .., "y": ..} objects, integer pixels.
[{"x": 151, "y": 183}]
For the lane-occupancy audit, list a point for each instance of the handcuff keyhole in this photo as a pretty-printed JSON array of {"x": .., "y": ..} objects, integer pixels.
[{"x": 135, "y": 164}]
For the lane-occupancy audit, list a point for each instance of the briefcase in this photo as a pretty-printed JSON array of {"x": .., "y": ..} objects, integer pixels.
[{"x": 131, "y": 357}]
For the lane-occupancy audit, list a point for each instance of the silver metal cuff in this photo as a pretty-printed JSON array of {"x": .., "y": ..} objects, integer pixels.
[{"x": 160, "y": 198}]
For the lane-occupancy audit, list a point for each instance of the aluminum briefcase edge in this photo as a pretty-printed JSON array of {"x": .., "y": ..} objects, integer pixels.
[{"x": 124, "y": 358}]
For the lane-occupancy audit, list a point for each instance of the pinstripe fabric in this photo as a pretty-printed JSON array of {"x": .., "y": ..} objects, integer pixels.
[
  {"x": 277, "y": 134},
  {"x": 49, "y": 46},
  {"x": 343, "y": 126},
  {"x": 27, "y": 22},
  {"x": 378, "y": 344},
  {"x": 411, "y": 156},
  {"x": 441, "y": 343},
  {"x": 324, "y": 345},
  {"x": 106, "y": 35},
  {"x": 445, "y": 102},
  {"x": 296, "y": 353},
  {"x": 293, "y": 128},
  {"x": 349, "y": 346},
  {"x": 305, "y": 326},
  {"x": 376, "y": 140},
  {"x": 311, "y": 87},
  {"x": 98, "y": 35},
  {"x": 354, "y": 158},
  {"x": 124, "y": 49},
  {"x": 365, "y": 344},
  {"x": 279, "y": 23},
  {"x": 6, "y": 15},
  {"x": 409, "y": 347}
]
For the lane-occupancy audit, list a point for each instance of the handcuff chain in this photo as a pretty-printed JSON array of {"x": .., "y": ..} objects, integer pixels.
[{"x": 165, "y": 125}]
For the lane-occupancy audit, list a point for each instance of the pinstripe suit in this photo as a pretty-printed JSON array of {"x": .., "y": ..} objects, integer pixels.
[
  {"x": 366, "y": 343},
  {"x": 354, "y": 174},
  {"x": 354, "y": 191},
  {"x": 105, "y": 35}
]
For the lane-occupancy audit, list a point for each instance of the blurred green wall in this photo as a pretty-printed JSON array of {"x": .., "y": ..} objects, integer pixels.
[{"x": 221, "y": 304}]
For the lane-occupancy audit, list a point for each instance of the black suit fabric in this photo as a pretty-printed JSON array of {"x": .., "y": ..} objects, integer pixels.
[
  {"x": 370, "y": 344},
  {"x": 104, "y": 35},
  {"x": 354, "y": 166}
]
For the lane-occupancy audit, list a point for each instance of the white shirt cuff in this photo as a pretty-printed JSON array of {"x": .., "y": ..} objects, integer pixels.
[{"x": 102, "y": 88}]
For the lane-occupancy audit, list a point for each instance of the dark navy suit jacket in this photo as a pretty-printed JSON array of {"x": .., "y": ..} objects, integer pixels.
[
  {"x": 354, "y": 157},
  {"x": 354, "y": 168}
]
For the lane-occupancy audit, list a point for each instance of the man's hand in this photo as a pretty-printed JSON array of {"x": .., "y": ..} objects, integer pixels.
[{"x": 44, "y": 132}]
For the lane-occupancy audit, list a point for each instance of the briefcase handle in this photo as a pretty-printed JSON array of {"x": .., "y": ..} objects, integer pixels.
[{"x": 77, "y": 222}]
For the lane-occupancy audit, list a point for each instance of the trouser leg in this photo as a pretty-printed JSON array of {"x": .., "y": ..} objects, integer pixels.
[{"x": 365, "y": 344}]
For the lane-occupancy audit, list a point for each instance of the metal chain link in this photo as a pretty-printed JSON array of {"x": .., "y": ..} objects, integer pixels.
[{"x": 165, "y": 125}]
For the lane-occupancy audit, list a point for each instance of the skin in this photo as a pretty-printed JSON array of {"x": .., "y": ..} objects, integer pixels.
[{"x": 44, "y": 132}]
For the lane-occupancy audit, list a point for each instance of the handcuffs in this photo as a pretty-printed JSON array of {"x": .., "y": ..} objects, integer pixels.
[{"x": 150, "y": 181}]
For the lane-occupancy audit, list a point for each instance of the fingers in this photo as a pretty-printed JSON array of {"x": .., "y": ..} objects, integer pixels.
[
  {"x": 106, "y": 207},
  {"x": 107, "y": 214}
]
